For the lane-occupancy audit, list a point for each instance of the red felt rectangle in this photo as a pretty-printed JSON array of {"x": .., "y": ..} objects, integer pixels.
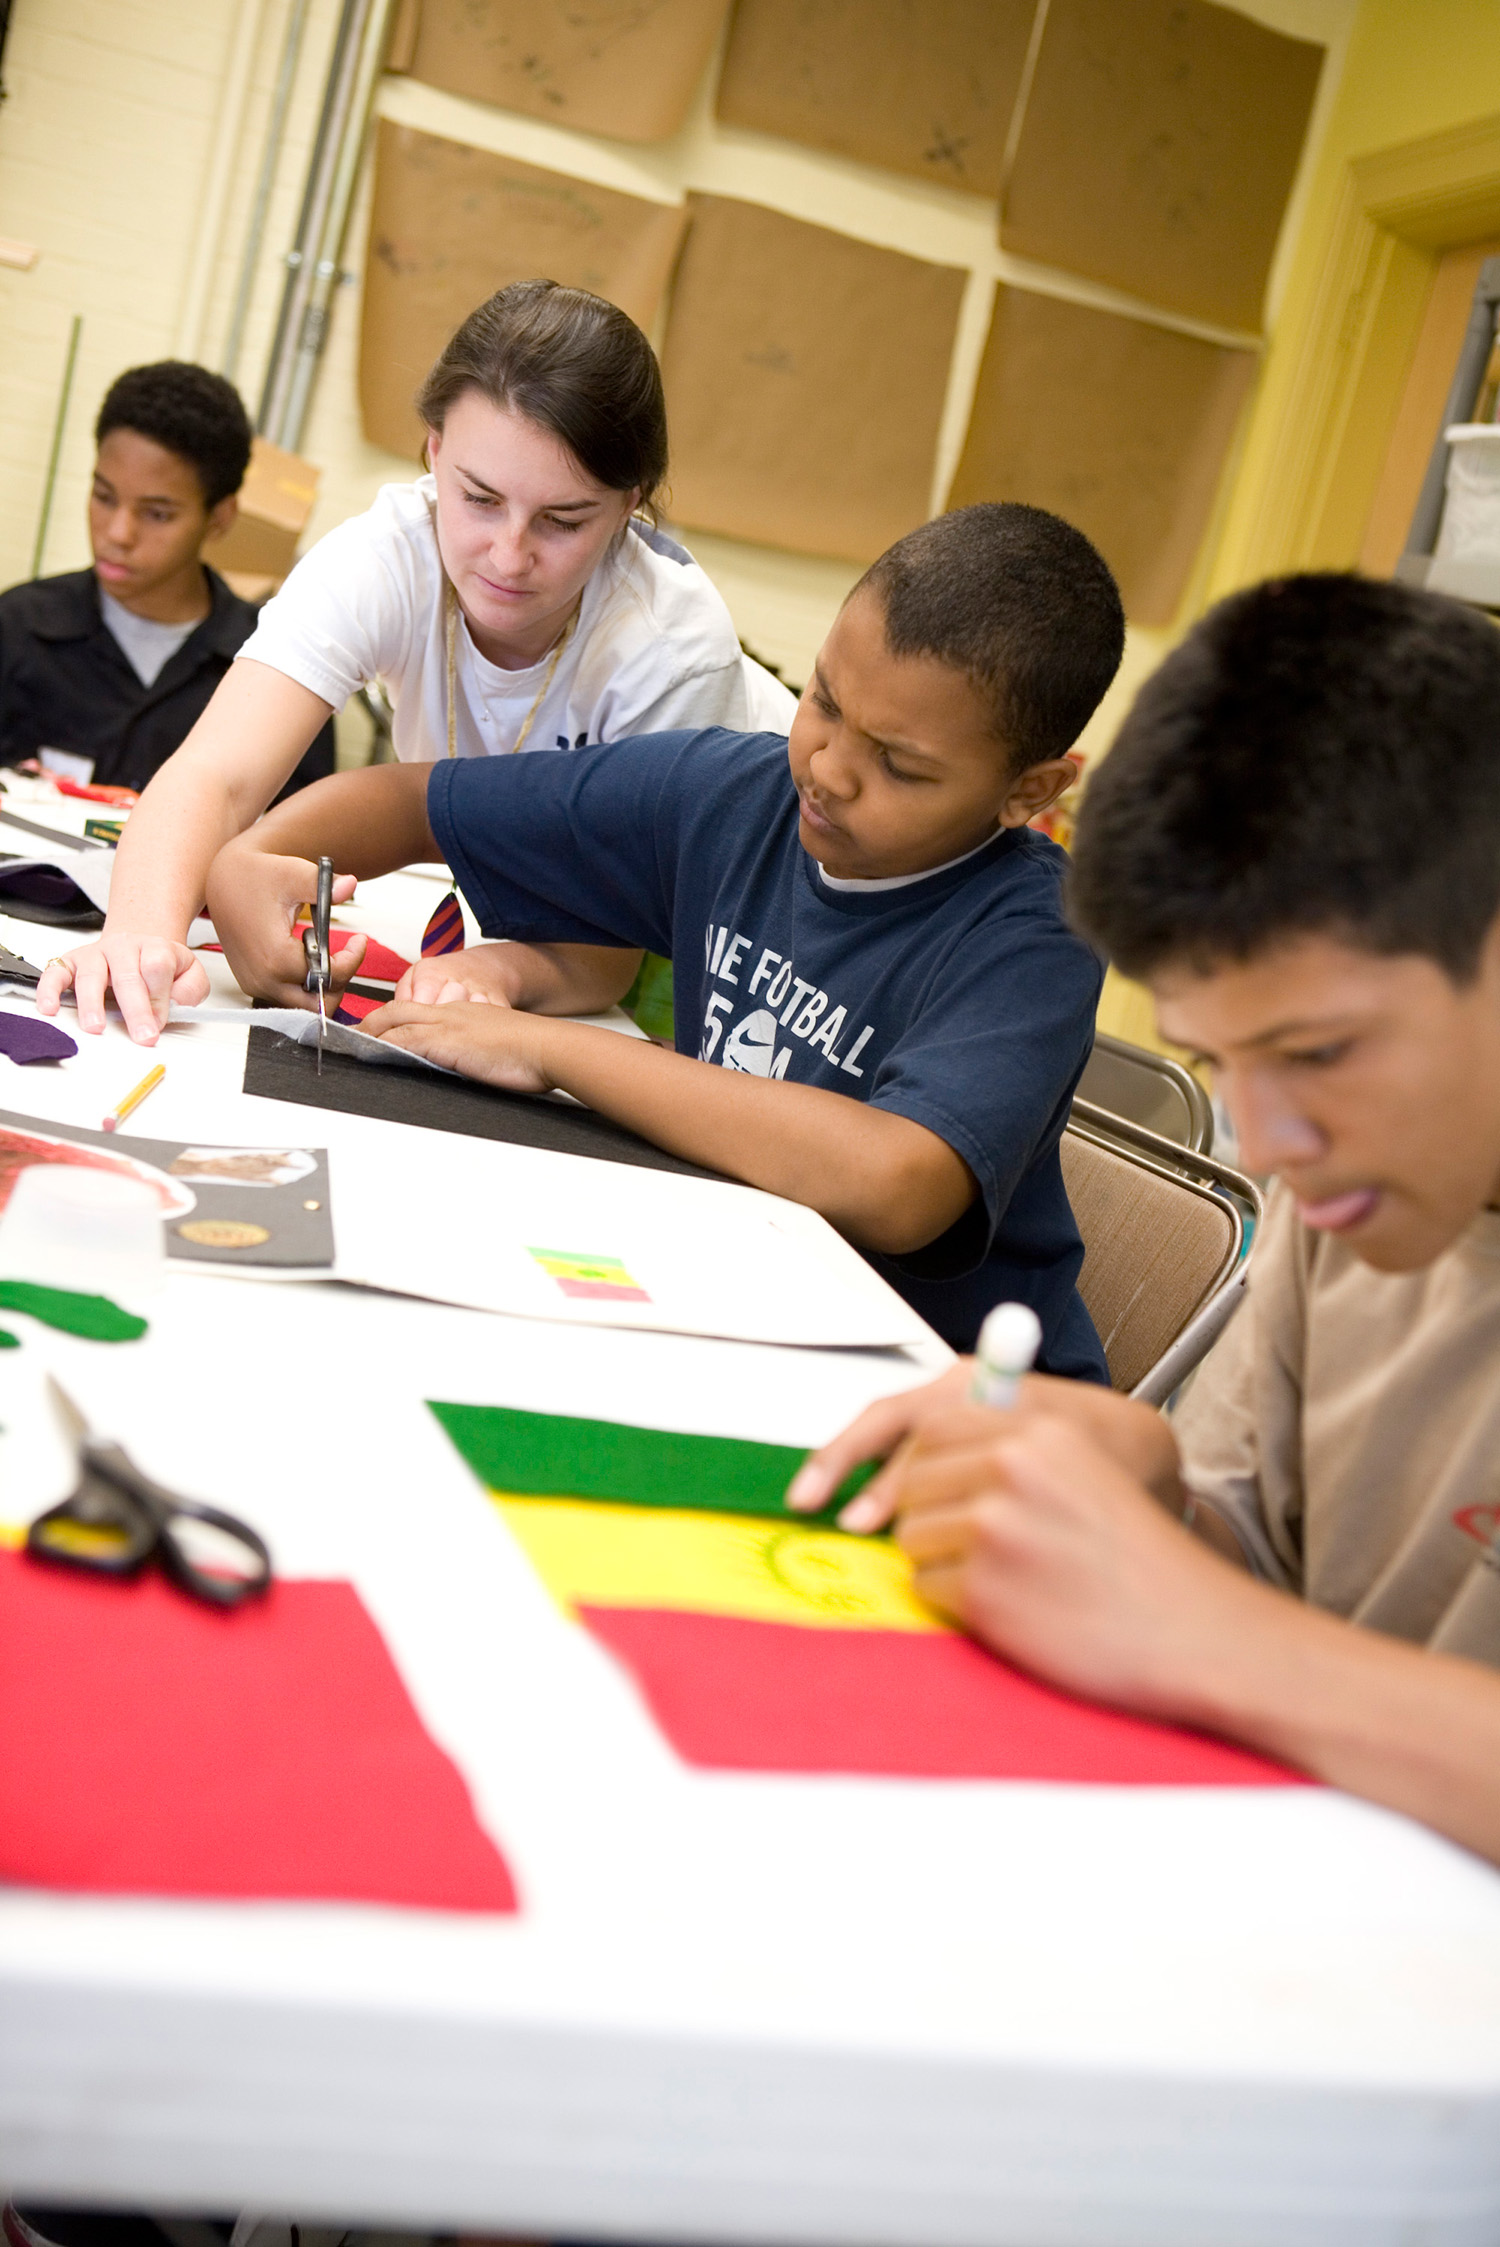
[
  {"x": 153, "y": 1746},
  {"x": 379, "y": 965},
  {"x": 737, "y": 1695},
  {"x": 353, "y": 1006}
]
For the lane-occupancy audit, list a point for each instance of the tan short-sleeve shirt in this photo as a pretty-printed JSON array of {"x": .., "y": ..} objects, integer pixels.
[{"x": 1348, "y": 1426}]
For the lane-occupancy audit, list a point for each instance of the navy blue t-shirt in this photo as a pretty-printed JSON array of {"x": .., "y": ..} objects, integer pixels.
[{"x": 962, "y": 1001}]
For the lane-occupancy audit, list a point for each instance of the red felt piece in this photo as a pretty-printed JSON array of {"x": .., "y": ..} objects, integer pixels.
[
  {"x": 736, "y": 1695},
  {"x": 379, "y": 965},
  {"x": 153, "y": 1746}
]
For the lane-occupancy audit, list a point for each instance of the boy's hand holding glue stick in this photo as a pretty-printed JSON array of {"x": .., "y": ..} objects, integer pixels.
[{"x": 996, "y": 1379}]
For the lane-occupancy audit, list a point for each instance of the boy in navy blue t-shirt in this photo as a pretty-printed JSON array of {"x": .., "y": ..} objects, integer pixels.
[{"x": 880, "y": 1009}]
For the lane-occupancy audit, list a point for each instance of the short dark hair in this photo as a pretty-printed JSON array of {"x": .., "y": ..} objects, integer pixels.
[
  {"x": 575, "y": 365},
  {"x": 189, "y": 411},
  {"x": 1021, "y": 603},
  {"x": 1321, "y": 754}
]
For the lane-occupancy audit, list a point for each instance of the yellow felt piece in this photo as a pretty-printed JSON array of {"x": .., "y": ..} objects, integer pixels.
[{"x": 774, "y": 1572}]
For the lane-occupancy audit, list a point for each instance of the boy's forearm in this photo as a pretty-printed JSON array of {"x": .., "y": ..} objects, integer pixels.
[
  {"x": 368, "y": 823},
  {"x": 562, "y": 979},
  {"x": 886, "y": 1183},
  {"x": 1417, "y": 1732}
]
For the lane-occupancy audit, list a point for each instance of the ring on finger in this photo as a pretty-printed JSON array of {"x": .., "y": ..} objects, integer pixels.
[{"x": 58, "y": 960}]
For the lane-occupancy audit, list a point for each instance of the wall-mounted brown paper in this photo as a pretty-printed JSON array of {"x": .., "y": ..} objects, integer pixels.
[
  {"x": 805, "y": 378},
  {"x": 450, "y": 224},
  {"x": 920, "y": 86},
  {"x": 1159, "y": 146},
  {"x": 624, "y": 68},
  {"x": 1118, "y": 426}
]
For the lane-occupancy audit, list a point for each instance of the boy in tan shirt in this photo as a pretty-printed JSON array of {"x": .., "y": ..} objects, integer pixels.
[{"x": 1296, "y": 842}]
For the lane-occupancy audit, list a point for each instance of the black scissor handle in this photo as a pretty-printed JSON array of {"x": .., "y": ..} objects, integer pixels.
[
  {"x": 105, "y": 1528},
  {"x": 221, "y": 1587},
  {"x": 118, "y": 1517}
]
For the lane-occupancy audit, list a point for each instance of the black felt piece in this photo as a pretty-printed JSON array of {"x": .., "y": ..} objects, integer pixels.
[
  {"x": 45, "y": 894},
  {"x": 277, "y": 1068}
]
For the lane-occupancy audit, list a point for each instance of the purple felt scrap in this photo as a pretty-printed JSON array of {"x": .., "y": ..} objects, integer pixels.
[{"x": 26, "y": 1037}]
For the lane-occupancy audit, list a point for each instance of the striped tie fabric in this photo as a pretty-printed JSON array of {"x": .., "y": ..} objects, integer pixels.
[{"x": 445, "y": 931}]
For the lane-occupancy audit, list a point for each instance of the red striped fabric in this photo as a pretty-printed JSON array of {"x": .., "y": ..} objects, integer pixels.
[{"x": 445, "y": 931}]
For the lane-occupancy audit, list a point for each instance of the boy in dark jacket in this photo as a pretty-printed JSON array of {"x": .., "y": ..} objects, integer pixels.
[{"x": 104, "y": 671}]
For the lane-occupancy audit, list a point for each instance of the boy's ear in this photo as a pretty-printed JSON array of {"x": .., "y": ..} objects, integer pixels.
[
  {"x": 1037, "y": 787},
  {"x": 221, "y": 518}
]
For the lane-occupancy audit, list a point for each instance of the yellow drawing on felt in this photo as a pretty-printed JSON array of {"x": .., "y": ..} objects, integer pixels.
[{"x": 604, "y": 1555}]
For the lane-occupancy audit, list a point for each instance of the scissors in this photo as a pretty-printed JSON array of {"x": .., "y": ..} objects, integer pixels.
[
  {"x": 13, "y": 969},
  {"x": 315, "y": 950},
  {"x": 119, "y": 1519}
]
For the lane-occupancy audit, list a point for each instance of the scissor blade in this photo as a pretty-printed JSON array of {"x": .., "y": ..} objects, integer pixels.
[
  {"x": 322, "y": 1027},
  {"x": 72, "y": 1419}
]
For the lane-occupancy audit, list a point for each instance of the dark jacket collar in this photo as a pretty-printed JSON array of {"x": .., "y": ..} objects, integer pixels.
[{"x": 67, "y": 608}]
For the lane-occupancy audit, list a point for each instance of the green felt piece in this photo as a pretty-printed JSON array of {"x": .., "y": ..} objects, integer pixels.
[
  {"x": 9, "y": 1341},
  {"x": 94, "y": 1317},
  {"x": 549, "y": 1455}
]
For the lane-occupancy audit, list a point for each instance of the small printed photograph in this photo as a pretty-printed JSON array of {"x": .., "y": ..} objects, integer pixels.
[
  {"x": 244, "y": 1166},
  {"x": 20, "y": 1149}
]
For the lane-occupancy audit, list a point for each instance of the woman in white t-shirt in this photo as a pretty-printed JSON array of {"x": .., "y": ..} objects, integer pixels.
[{"x": 515, "y": 598}]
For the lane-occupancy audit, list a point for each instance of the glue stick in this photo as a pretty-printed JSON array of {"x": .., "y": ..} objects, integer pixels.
[{"x": 1008, "y": 1343}]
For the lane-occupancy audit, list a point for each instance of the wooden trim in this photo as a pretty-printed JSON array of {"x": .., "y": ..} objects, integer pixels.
[
  {"x": 1436, "y": 192},
  {"x": 1395, "y": 210}
]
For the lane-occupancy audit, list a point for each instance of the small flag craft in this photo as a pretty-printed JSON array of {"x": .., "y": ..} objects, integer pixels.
[{"x": 762, "y": 1641}]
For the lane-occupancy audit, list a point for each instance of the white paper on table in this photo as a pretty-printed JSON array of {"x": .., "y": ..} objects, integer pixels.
[
  {"x": 341, "y": 1037},
  {"x": 708, "y": 1257}
]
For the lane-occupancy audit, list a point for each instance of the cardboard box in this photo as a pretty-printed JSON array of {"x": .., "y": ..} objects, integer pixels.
[{"x": 276, "y": 499}]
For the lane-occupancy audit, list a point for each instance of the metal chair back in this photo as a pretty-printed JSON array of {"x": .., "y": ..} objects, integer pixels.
[
  {"x": 1148, "y": 1089},
  {"x": 1164, "y": 1232}
]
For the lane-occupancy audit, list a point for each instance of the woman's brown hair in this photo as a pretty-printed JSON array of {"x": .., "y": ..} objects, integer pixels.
[{"x": 576, "y": 366}]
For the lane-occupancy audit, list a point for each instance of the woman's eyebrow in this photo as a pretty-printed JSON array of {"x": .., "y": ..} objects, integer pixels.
[{"x": 551, "y": 507}]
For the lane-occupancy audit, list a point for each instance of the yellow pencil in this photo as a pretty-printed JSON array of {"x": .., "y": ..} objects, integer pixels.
[{"x": 135, "y": 1096}]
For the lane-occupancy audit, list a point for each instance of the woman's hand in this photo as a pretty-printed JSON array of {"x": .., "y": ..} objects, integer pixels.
[
  {"x": 493, "y": 1043},
  {"x": 1133, "y": 1435},
  {"x": 484, "y": 972},
  {"x": 253, "y": 900},
  {"x": 148, "y": 975}
]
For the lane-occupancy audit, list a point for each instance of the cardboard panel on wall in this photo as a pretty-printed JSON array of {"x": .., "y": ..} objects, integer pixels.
[
  {"x": 920, "y": 86},
  {"x": 1118, "y": 426},
  {"x": 625, "y": 68},
  {"x": 450, "y": 224},
  {"x": 805, "y": 378},
  {"x": 1158, "y": 149}
]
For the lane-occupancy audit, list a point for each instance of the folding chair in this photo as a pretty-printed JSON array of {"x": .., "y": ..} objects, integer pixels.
[
  {"x": 1164, "y": 1238},
  {"x": 1148, "y": 1089}
]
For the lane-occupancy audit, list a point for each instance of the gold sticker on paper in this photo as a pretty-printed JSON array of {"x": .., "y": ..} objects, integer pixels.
[{"x": 223, "y": 1232}]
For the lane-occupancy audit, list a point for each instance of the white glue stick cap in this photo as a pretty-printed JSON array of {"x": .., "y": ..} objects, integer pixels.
[{"x": 1009, "y": 1339}]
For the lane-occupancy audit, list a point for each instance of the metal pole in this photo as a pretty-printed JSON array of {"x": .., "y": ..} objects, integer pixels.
[
  {"x": 57, "y": 437},
  {"x": 291, "y": 48},
  {"x": 313, "y": 261}
]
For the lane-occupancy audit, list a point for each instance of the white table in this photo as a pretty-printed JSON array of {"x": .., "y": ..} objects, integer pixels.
[{"x": 735, "y": 2006}]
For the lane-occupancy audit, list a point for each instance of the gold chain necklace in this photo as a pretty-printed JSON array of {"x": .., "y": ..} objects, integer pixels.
[{"x": 450, "y": 637}]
